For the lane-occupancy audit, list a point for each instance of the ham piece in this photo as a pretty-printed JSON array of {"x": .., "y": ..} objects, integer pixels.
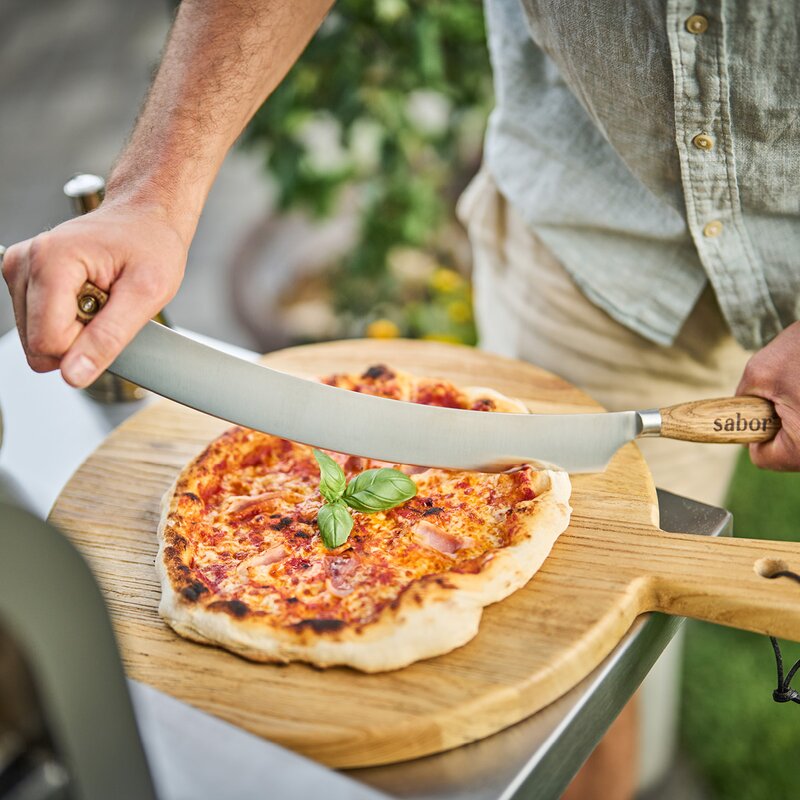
[
  {"x": 242, "y": 502},
  {"x": 341, "y": 570},
  {"x": 437, "y": 539},
  {"x": 271, "y": 556}
]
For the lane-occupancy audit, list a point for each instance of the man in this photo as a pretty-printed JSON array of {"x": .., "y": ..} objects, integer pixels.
[{"x": 635, "y": 225}]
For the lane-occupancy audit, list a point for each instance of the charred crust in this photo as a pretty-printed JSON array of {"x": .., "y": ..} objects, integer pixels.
[
  {"x": 236, "y": 608},
  {"x": 378, "y": 371},
  {"x": 193, "y": 591},
  {"x": 320, "y": 625},
  {"x": 178, "y": 543},
  {"x": 191, "y": 496},
  {"x": 484, "y": 404},
  {"x": 174, "y": 562},
  {"x": 279, "y": 526}
]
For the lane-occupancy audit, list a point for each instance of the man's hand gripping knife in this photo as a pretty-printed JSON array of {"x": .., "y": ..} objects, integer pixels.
[
  {"x": 774, "y": 372},
  {"x": 222, "y": 59}
]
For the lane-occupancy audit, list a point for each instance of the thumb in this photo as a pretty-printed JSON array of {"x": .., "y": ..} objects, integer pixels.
[{"x": 131, "y": 304}]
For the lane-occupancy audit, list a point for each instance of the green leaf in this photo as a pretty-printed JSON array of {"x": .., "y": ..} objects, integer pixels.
[
  {"x": 379, "y": 489},
  {"x": 331, "y": 477},
  {"x": 335, "y": 524}
]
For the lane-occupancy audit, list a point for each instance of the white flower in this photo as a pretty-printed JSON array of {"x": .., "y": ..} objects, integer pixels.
[
  {"x": 321, "y": 135},
  {"x": 332, "y": 23},
  {"x": 410, "y": 266},
  {"x": 365, "y": 144},
  {"x": 390, "y": 10},
  {"x": 428, "y": 111},
  {"x": 310, "y": 319}
]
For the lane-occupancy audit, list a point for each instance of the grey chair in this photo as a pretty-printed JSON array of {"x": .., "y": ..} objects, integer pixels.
[{"x": 67, "y": 728}]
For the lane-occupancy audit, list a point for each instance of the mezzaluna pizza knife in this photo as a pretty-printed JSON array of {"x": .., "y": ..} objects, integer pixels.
[{"x": 199, "y": 376}]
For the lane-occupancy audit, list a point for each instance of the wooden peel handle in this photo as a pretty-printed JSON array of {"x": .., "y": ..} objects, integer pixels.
[
  {"x": 727, "y": 420},
  {"x": 734, "y": 582}
]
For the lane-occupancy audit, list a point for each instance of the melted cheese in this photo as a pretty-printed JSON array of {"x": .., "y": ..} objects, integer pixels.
[{"x": 248, "y": 512}]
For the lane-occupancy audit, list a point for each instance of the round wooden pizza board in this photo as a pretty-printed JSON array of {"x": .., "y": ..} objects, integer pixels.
[{"x": 610, "y": 565}]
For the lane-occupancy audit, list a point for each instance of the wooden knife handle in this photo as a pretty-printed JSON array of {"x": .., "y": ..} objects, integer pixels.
[
  {"x": 732, "y": 420},
  {"x": 91, "y": 299},
  {"x": 736, "y": 582}
]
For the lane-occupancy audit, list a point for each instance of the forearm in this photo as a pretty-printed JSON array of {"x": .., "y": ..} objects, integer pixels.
[{"x": 222, "y": 59}]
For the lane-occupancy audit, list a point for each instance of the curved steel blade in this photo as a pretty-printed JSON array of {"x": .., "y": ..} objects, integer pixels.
[{"x": 254, "y": 396}]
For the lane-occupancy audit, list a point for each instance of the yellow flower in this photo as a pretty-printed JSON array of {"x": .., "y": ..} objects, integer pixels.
[
  {"x": 449, "y": 338},
  {"x": 382, "y": 329},
  {"x": 445, "y": 280},
  {"x": 459, "y": 311}
]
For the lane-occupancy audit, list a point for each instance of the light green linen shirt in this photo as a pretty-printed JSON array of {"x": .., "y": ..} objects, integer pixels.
[{"x": 653, "y": 146}]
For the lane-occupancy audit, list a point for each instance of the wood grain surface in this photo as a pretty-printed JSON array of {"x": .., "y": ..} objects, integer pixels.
[
  {"x": 726, "y": 420},
  {"x": 610, "y": 565}
]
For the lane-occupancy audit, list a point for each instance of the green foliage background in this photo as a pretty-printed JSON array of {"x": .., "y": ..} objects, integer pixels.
[
  {"x": 746, "y": 746},
  {"x": 370, "y": 65}
]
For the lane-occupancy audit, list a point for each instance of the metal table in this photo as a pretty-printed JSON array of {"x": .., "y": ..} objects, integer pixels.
[{"x": 536, "y": 757}]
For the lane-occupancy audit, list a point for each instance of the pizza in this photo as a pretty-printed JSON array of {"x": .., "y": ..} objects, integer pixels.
[{"x": 242, "y": 564}]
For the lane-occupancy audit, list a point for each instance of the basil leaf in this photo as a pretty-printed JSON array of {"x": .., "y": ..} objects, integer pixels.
[
  {"x": 379, "y": 489},
  {"x": 335, "y": 524},
  {"x": 331, "y": 477}
]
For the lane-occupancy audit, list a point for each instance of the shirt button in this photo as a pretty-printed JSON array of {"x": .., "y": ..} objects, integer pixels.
[
  {"x": 712, "y": 229},
  {"x": 697, "y": 24},
  {"x": 703, "y": 142}
]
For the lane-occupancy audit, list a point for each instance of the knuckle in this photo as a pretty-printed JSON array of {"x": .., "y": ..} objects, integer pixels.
[
  {"x": 13, "y": 262},
  {"x": 10, "y": 266},
  {"x": 38, "y": 251},
  {"x": 152, "y": 286},
  {"x": 755, "y": 374},
  {"x": 42, "y": 342},
  {"x": 50, "y": 261}
]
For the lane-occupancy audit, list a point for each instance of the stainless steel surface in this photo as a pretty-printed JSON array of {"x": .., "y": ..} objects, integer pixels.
[
  {"x": 530, "y": 759},
  {"x": 201, "y": 377},
  {"x": 650, "y": 423},
  {"x": 85, "y": 191},
  {"x": 537, "y": 757},
  {"x": 195, "y": 755}
]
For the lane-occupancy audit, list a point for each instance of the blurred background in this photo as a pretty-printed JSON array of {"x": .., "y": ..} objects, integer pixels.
[
  {"x": 360, "y": 156},
  {"x": 334, "y": 218}
]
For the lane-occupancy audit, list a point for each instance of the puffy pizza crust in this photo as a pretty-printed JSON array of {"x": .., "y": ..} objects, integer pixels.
[{"x": 432, "y": 616}]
